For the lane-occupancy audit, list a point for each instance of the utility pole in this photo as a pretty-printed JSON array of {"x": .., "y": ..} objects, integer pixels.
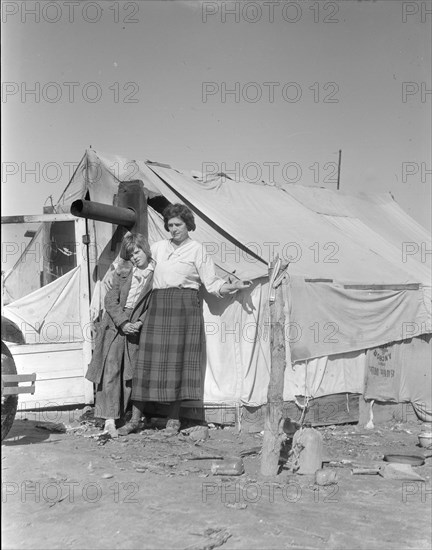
[{"x": 339, "y": 168}]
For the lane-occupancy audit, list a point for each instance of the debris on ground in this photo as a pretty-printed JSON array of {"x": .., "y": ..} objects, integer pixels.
[
  {"x": 215, "y": 537},
  {"x": 394, "y": 470},
  {"x": 229, "y": 467},
  {"x": 250, "y": 452},
  {"x": 326, "y": 476},
  {"x": 57, "y": 428},
  {"x": 365, "y": 471},
  {"x": 197, "y": 433},
  {"x": 148, "y": 468}
]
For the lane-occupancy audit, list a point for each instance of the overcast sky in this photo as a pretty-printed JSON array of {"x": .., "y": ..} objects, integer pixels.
[{"x": 269, "y": 90}]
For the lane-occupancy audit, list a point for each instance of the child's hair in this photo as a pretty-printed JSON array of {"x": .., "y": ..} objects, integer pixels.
[{"x": 130, "y": 241}]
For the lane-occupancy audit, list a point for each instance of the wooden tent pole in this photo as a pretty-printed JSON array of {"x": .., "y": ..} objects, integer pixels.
[{"x": 273, "y": 422}]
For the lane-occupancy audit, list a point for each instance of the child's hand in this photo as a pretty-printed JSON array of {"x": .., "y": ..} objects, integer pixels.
[{"x": 128, "y": 328}]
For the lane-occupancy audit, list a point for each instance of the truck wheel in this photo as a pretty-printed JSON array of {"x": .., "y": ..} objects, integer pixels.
[{"x": 9, "y": 403}]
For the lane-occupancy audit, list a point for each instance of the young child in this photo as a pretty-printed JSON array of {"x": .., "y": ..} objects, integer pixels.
[{"x": 113, "y": 362}]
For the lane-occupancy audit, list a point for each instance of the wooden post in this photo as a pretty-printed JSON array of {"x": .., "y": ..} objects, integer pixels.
[
  {"x": 83, "y": 261},
  {"x": 131, "y": 195},
  {"x": 273, "y": 421},
  {"x": 339, "y": 169}
]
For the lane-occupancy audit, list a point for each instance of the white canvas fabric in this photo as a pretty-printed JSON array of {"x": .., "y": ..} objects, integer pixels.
[
  {"x": 327, "y": 235},
  {"x": 51, "y": 314}
]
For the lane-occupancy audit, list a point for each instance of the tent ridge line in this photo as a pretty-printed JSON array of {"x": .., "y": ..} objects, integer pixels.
[
  {"x": 209, "y": 221},
  {"x": 71, "y": 180}
]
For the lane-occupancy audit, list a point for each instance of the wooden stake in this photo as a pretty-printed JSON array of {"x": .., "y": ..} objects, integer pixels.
[
  {"x": 339, "y": 169},
  {"x": 273, "y": 422}
]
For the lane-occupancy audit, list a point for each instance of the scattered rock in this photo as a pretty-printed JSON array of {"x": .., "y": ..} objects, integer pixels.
[
  {"x": 236, "y": 505},
  {"x": 199, "y": 433},
  {"x": 326, "y": 476}
]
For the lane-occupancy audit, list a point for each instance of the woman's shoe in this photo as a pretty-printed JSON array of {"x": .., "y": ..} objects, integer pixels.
[
  {"x": 172, "y": 427},
  {"x": 129, "y": 428}
]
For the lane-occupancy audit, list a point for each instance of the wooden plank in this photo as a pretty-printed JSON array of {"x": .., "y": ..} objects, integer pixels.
[
  {"x": 328, "y": 410},
  {"x": 26, "y": 404},
  {"x": 54, "y": 372},
  {"x": 223, "y": 415},
  {"x": 59, "y": 373},
  {"x": 340, "y": 408},
  {"x": 33, "y": 349},
  {"x": 18, "y": 390},
  {"x": 51, "y": 365},
  {"x": 16, "y": 378},
  {"x": 38, "y": 218},
  {"x": 54, "y": 394}
]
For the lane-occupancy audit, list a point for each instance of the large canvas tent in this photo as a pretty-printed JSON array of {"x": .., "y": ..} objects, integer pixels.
[{"x": 358, "y": 281}]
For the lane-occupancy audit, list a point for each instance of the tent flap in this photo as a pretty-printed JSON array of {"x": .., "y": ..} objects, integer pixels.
[{"x": 327, "y": 319}]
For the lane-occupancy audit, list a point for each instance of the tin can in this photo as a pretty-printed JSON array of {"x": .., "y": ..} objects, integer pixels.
[
  {"x": 307, "y": 442},
  {"x": 232, "y": 466}
]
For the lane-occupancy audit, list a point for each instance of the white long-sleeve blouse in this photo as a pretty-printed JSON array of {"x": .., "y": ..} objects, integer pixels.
[{"x": 186, "y": 266}]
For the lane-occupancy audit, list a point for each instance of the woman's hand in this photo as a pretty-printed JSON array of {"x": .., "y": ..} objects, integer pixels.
[
  {"x": 233, "y": 286},
  {"x": 240, "y": 285}
]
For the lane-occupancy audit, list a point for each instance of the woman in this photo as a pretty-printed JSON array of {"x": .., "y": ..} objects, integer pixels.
[
  {"x": 114, "y": 356},
  {"x": 169, "y": 359}
]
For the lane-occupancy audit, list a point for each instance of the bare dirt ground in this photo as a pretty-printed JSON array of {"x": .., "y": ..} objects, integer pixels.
[{"x": 77, "y": 490}]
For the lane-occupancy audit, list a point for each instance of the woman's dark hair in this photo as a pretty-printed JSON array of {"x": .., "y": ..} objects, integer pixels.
[
  {"x": 179, "y": 211},
  {"x": 130, "y": 241}
]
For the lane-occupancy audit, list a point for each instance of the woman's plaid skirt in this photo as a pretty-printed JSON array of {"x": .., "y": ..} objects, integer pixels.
[{"x": 169, "y": 361}]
